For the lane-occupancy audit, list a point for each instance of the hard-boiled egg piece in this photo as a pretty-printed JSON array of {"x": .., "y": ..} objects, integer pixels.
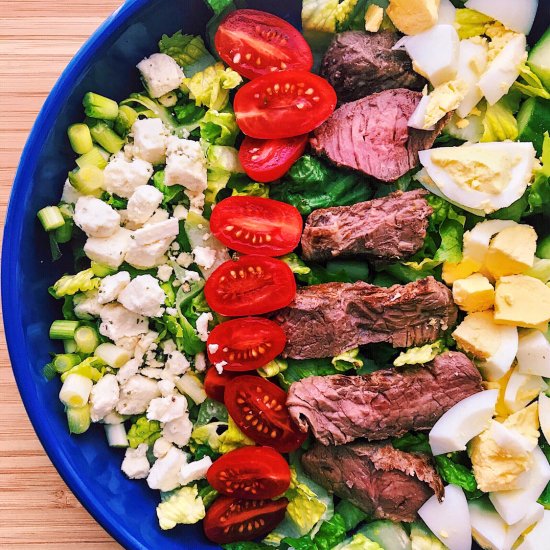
[
  {"x": 534, "y": 514},
  {"x": 449, "y": 520},
  {"x": 537, "y": 538},
  {"x": 533, "y": 353},
  {"x": 462, "y": 422},
  {"x": 540, "y": 270},
  {"x": 488, "y": 528},
  {"x": 514, "y": 505},
  {"x": 477, "y": 240},
  {"x": 517, "y": 16},
  {"x": 484, "y": 176},
  {"x": 438, "y": 65},
  {"x": 511, "y": 440},
  {"x": 494, "y": 346},
  {"x": 521, "y": 390},
  {"x": 544, "y": 415},
  {"x": 472, "y": 62},
  {"x": 504, "y": 69},
  {"x": 474, "y": 293},
  {"x": 418, "y": 118},
  {"x": 467, "y": 129},
  {"x": 447, "y": 13},
  {"x": 413, "y": 16}
]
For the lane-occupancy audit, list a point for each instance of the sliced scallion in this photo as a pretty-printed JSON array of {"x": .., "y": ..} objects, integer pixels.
[
  {"x": 98, "y": 106},
  {"x": 94, "y": 157},
  {"x": 78, "y": 419},
  {"x": 63, "y": 330},
  {"x": 86, "y": 338},
  {"x": 66, "y": 361},
  {"x": 51, "y": 218},
  {"x": 80, "y": 138},
  {"x": 107, "y": 138},
  {"x": 87, "y": 180}
]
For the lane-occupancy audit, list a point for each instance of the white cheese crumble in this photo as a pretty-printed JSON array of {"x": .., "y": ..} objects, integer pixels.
[
  {"x": 164, "y": 272},
  {"x": 202, "y": 325},
  {"x": 195, "y": 470},
  {"x": 111, "y": 286},
  {"x": 135, "y": 464},
  {"x": 117, "y": 321},
  {"x": 109, "y": 251},
  {"x": 122, "y": 176},
  {"x": 95, "y": 217},
  {"x": 150, "y": 139},
  {"x": 160, "y": 73},
  {"x": 144, "y": 296},
  {"x": 136, "y": 394},
  {"x": 143, "y": 203},
  {"x": 104, "y": 397}
]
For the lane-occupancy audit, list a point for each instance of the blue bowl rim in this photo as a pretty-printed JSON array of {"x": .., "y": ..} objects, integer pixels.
[{"x": 10, "y": 251}]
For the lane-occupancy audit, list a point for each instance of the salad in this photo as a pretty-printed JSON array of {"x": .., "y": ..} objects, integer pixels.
[{"x": 311, "y": 286}]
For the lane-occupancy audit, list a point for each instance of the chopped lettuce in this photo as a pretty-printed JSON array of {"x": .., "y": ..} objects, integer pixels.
[
  {"x": 352, "y": 515},
  {"x": 211, "y": 86},
  {"x": 347, "y": 360},
  {"x": 530, "y": 84},
  {"x": 539, "y": 192},
  {"x": 359, "y": 542},
  {"x": 210, "y": 410},
  {"x": 247, "y": 545},
  {"x": 326, "y": 15},
  {"x": 471, "y": 23},
  {"x": 91, "y": 367},
  {"x": 219, "y": 6},
  {"x": 298, "y": 369},
  {"x": 209, "y": 435},
  {"x": 188, "y": 51},
  {"x": 219, "y": 128},
  {"x": 183, "y": 333},
  {"x": 499, "y": 122},
  {"x": 224, "y": 158},
  {"x": 189, "y": 115},
  {"x": 423, "y": 539},
  {"x": 233, "y": 438},
  {"x": 183, "y": 506},
  {"x": 412, "y": 443},
  {"x": 143, "y": 431},
  {"x": 273, "y": 368},
  {"x": 388, "y": 534},
  {"x": 71, "y": 284},
  {"x": 452, "y": 469},
  {"x": 419, "y": 355},
  {"x": 331, "y": 533}
]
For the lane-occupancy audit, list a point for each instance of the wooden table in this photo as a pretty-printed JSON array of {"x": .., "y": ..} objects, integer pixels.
[{"x": 37, "y": 39}]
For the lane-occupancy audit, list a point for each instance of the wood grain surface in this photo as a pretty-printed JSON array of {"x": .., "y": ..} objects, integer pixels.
[{"x": 37, "y": 39}]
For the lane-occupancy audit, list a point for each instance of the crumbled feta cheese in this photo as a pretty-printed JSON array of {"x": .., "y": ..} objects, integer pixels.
[
  {"x": 185, "y": 165},
  {"x": 136, "y": 394},
  {"x": 128, "y": 343},
  {"x": 178, "y": 431},
  {"x": 164, "y": 272},
  {"x": 104, "y": 397},
  {"x": 160, "y": 73},
  {"x": 161, "y": 447},
  {"x": 195, "y": 470},
  {"x": 128, "y": 370},
  {"x": 111, "y": 286},
  {"x": 143, "y": 203},
  {"x": 70, "y": 194},
  {"x": 168, "y": 347},
  {"x": 175, "y": 246},
  {"x": 95, "y": 217},
  {"x": 171, "y": 311},
  {"x": 151, "y": 233},
  {"x": 160, "y": 215},
  {"x": 219, "y": 366},
  {"x": 149, "y": 255},
  {"x": 177, "y": 363},
  {"x": 87, "y": 305},
  {"x": 150, "y": 372},
  {"x": 185, "y": 276},
  {"x": 167, "y": 388},
  {"x": 184, "y": 259},
  {"x": 180, "y": 212},
  {"x": 204, "y": 256},
  {"x": 196, "y": 201},
  {"x": 213, "y": 348},
  {"x": 117, "y": 321},
  {"x": 113, "y": 418},
  {"x": 165, "y": 409},
  {"x": 109, "y": 251},
  {"x": 146, "y": 344},
  {"x": 150, "y": 139},
  {"x": 122, "y": 176},
  {"x": 135, "y": 464},
  {"x": 144, "y": 296},
  {"x": 164, "y": 473},
  {"x": 200, "y": 362},
  {"x": 202, "y": 325}
]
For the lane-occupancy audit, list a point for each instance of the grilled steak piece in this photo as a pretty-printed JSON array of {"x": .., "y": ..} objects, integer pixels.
[
  {"x": 371, "y": 134},
  {"x": 328, "y": 319},
  {"x": 384, "y": 482},
  {"x": 386, "y": 403},
  {"x": 390, "y": 228},
  {"x": 359, "y": 64}
]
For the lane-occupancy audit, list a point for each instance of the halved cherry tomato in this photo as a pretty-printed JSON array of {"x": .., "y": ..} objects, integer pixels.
[
  {"x": 214, "y": 383},
  {"x": 258, "y": 407},
  {"x": 266, "y": 160},
  {"x": 232, "y": 519},
  {"x": 245, "y": 344},
  {"x": 255, "y": 225},
  {"x": 255, "y": 43},
  {"x": 250, "y": 472},
  {"x": 252, "y": 285}
]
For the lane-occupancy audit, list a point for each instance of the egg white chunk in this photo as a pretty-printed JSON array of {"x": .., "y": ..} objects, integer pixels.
[
  {"x": 498, "y": 364},
  {"x": 533, "y": 353},
  {"x": 447, "y": 13},
  {"x": 544, "y": 415},
  {"x": 521, "y": 390},
  {"x": 534, "y": 514},
  {"x": 488, "y": 528},
  {"x": 472, "y": 62},
  {"x": 463, "y": 422},
  {"x": 516, "y": 15},
  {"x": 537, "y": 538},
  {"x": 477, "y": 240},
  {"x": 419, "y": 115}
]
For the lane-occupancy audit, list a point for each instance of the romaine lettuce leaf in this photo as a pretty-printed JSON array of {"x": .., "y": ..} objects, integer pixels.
[
  {"x": 352, "y": 515},
  {"x": 188, "y": 51},
  {"x": 273, "y": 368},
  {"x": 423, "y": 539},
  {"x": 452, "y": 470},
  {"x": 184, "y": 506},
  {"x": 359, "y": 542},
  {"x": 233, "y": 438},
  {"x": 219, "y": 128},
  {"x": 499, "y": 122},
  {"x": 347, "y": 360},
  {"x": 412, "y": 443},
  {"x": 71, "y": 284},
  {"x": 331, "y": 533},
  {"x": 298, "y": 369},
  {"x": 530, "y": 84},
  {"x": 143, "y": 431},
  {"x": 327, "y": 16},
  {"x": 471, "y": 23},
  {"x": 419, "y": 355},
  {"x": 539, "y": 192}
]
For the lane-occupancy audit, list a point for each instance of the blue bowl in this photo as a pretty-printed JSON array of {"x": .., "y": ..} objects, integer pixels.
[{"x": 105, "y": 64}]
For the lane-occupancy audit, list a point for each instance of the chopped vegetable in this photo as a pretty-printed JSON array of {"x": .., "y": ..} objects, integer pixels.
[{"x": 183, "y": 506}]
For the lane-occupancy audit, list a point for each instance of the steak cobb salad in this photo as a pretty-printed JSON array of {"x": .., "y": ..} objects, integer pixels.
[{"x": 311, "y": 285}]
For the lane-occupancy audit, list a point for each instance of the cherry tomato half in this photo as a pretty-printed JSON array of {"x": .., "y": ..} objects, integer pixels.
[
  {"x": 252, "y": 285},
  {"x": 285, "y": 104},
  {"x": 255, "y": 43},
  {"x": 231, "y": 519},
  {"x": 214, "y": 383},
  {"x": 258, "y": 407},
  {"x": 255, "y": 225},
  {"x": 266, "y": 160},
  {"x": 250, "y": 472},
  {"x": 245, "y": 344}
]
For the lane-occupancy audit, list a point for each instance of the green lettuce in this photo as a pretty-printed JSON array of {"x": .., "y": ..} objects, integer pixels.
[
  {"x": 544, "y": 498},
  {"x": 352, "y": 515},
  {"x": 210, "y": 410},
  {"x": 327, "y": 16},
  {"x": 172, "y": 193},
  {"x": 451, "y": 468},
  {"x": 498, "y": 120},
  {"x": 419, "y": 355},
  {"x": 224, "y": 158},
  {"x": 412, "y": 443},
  {"x": 423, "y": 539},
  {"x": 188, "y": 51},
  {"x": 359, "y": 542},
  {"x": 530, "y": 84},
  {"x": 331, "y": 533},
  {"x": 183, "y": 506},
  {"x": 219, "y": 6},
  {"x": 388, "y": 534},
  {"x": 208, "y": 435},
  {"x": 143, "y": 431},
  {"x": 233, "y": 438},
  {"x": 471, "y": 23},
  {"x": 219, "y": 128},
  {"x": 311, "y": 184},
  {"x": 347, "y": 360},
  {"x": 298, "y": 369},
  {"x": 539, "y": 192},
  {"x": 69, "y": 285},
  {"x": 273, "y": 368},
  {"x": 189, "y": 115},
  {"x": 91, "y": 367},
  {"x": 247, "y": 545},
  {"x": 182, "y": 332}
]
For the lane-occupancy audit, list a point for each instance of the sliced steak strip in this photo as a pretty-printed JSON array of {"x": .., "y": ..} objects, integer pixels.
[
  {"x": 358, "y": 64},
  {"x": 371, "y": 135},
  {"x": 328, "y": 319},
  {"x": 390, "y": 228},
  {"x": 384, "y": 482},
  {"x": 386, "y": 403}
]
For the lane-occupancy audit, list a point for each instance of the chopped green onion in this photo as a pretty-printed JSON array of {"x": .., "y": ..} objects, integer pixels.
[
  {"x": 169, "y": 99},
  {"x": 51, "y": 218},
  {"x": 75, "y": 391},
  {"x": 100, "y": 270},
  {"x": 125, "y": 119},
  {"x": 87, "y": 180},
  {"x": 80, "y": 138},
  {"x": 63, "y": 330},
  {"x": 96, "y": 156},
  {"x": 98, "y": 106},
  {"x": 86, "y": 339},
  {"x": 114, "y": 356},
  {"x": 66, "y": 361},
  {"x": 116, "y": 435},
  {"x": 107, "y": 138},
  {"x": 78, "y": 419},
  {"x": 49, "y": 371},
  {"x": 64, "y": 233},
  {"x": 69, "y": 346}
]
